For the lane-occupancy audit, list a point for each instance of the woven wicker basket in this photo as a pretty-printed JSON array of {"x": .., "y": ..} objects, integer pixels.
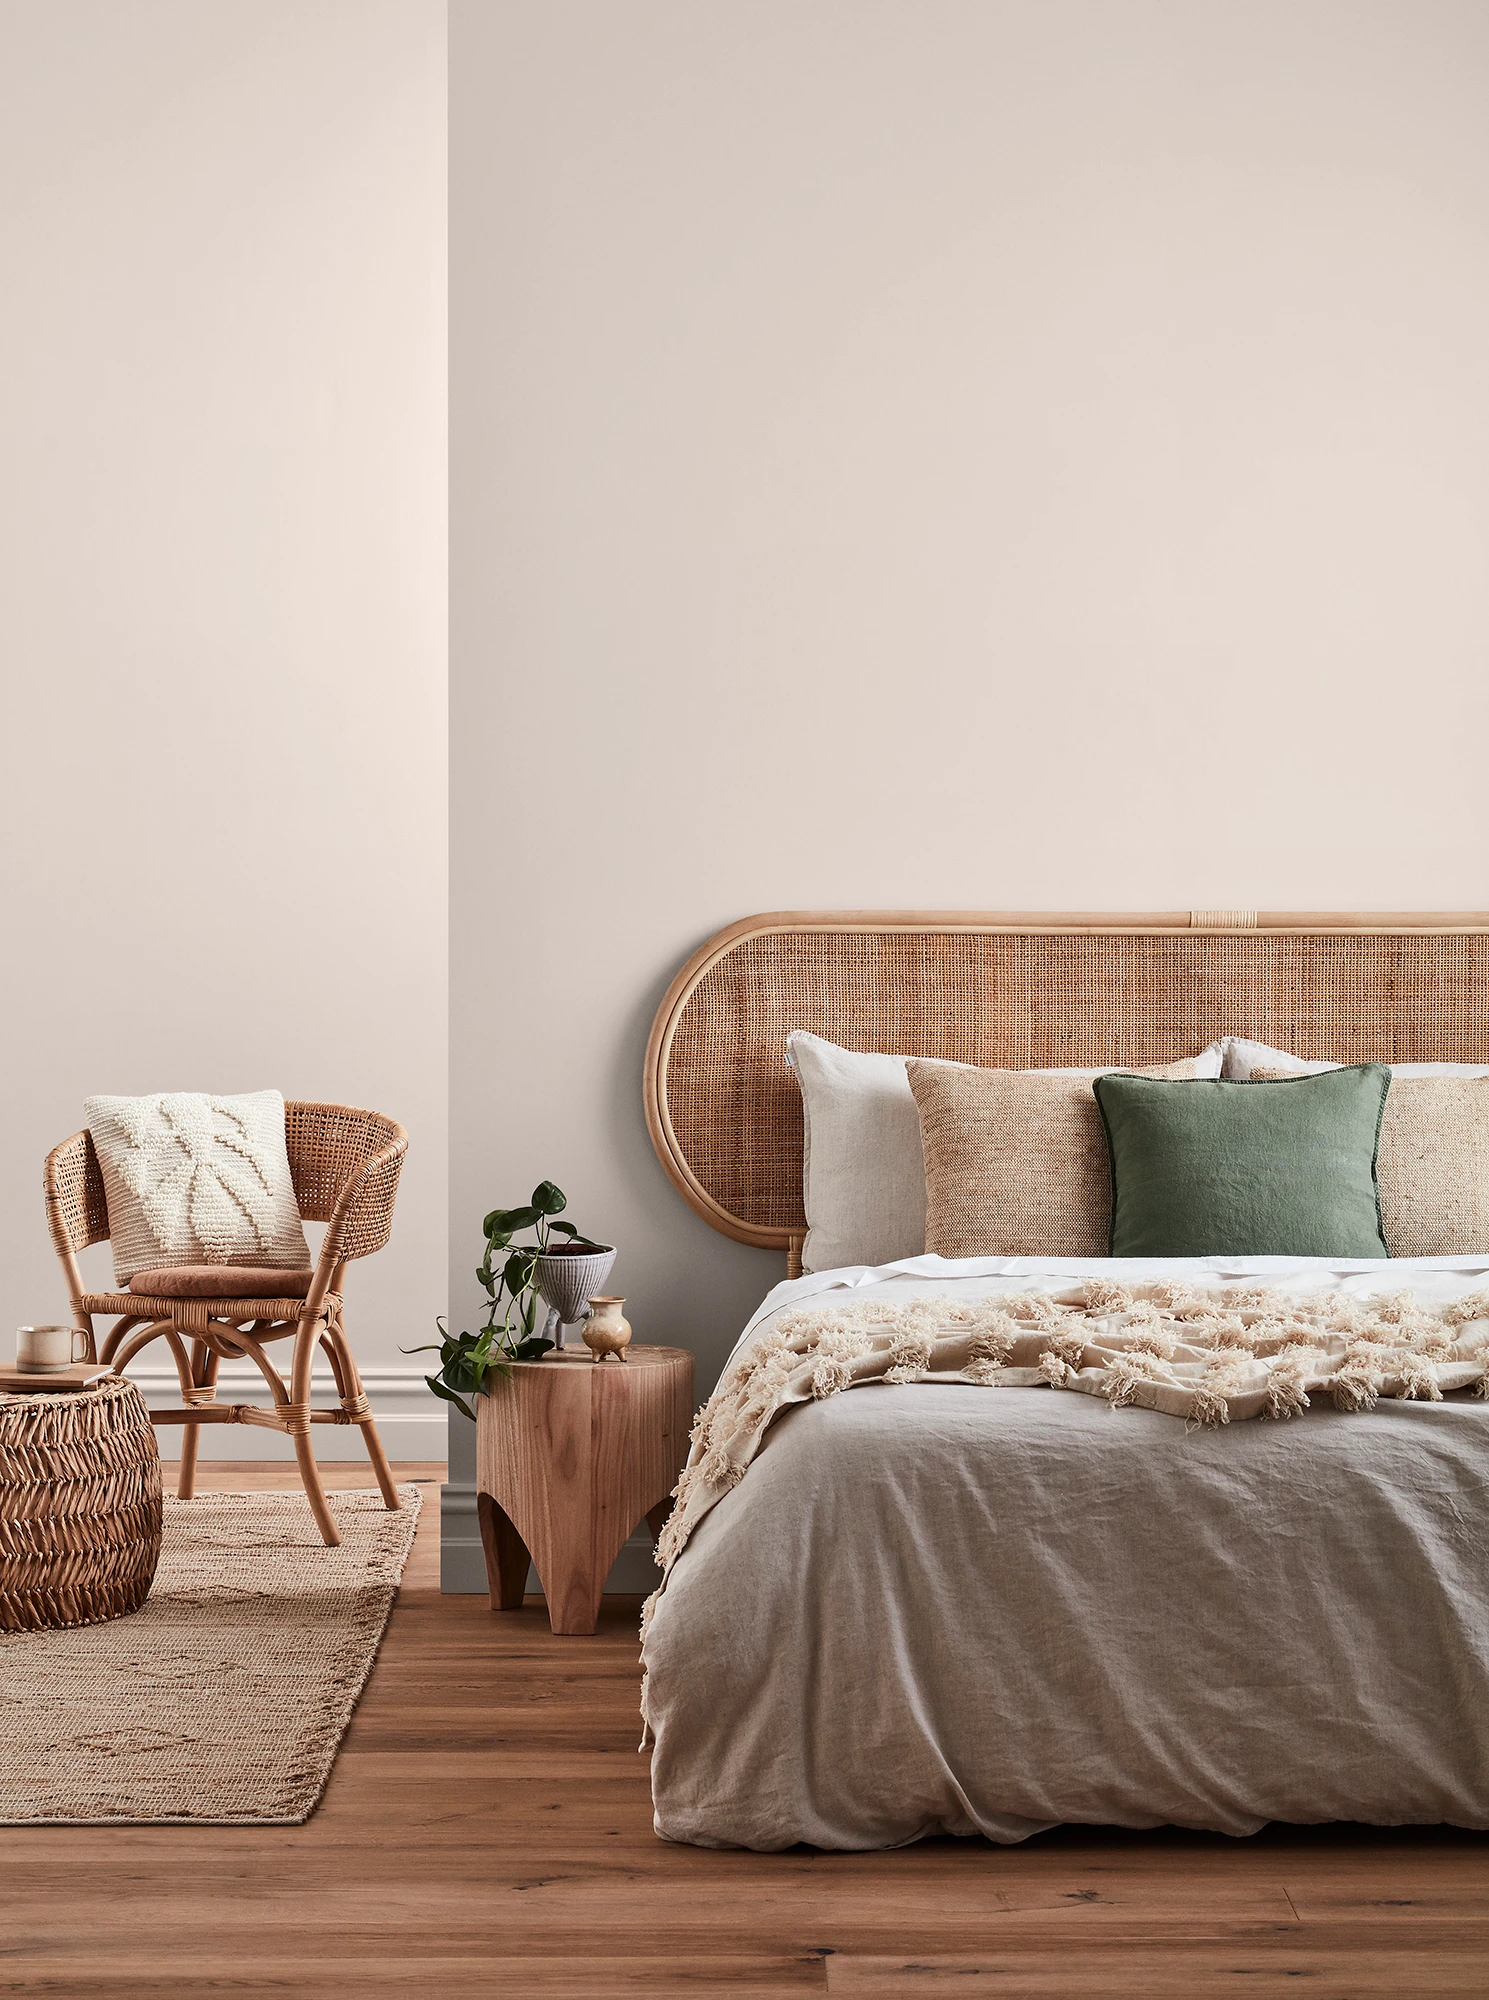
[{"x": 80, "y": 1506}]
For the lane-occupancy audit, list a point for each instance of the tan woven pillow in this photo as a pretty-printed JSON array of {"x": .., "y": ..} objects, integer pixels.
[
  {"x": 1432, "y": 1164},
  {"x": 1015, "y": 1161}
]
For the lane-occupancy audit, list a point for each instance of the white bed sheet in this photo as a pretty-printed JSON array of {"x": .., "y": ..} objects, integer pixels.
[{"x": 935, "y": 1608}]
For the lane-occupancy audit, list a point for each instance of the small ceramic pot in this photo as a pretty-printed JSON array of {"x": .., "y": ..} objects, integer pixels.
[
  {"x": 565, "y": 1280},
  {"x": 607, "y": 1330}
]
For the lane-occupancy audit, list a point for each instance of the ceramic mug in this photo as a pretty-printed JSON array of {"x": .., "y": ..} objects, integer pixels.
[{"x": 41, "y": 1349}]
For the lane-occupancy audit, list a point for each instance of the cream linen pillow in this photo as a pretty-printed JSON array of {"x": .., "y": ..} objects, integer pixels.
[
  {"x": 1432, "y": 1162},
  {"x": 862, "y": 1175},
  {"x": 196, "y": 1179},
  {"x": 863, "y": 1170},
  {"x": 1242, "y": 1058},
  {"x": 1015, "y": 1160}
]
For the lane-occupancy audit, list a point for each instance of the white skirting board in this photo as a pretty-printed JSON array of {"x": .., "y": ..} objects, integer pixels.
[
  {"x": 412, "y": 1424},
  {"x": 410, "y": 1421},
  {"x": 462, "y": 1567}
]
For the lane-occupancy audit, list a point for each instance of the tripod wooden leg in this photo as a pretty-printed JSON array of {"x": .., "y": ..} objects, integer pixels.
[{"x": 506, "y": 1555}]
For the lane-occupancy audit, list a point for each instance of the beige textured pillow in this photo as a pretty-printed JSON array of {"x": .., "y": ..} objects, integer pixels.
[
  {"x": 1432, "y": 1164},
  {"x": 1015, "y": 1161},
  {"x": 196, "y": 1179}
]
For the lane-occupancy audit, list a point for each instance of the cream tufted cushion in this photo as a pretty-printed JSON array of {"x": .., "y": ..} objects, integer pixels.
[{"x": 196, "y": 1179}]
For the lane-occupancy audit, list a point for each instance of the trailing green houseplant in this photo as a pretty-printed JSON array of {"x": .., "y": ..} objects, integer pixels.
[{"x": 508, "y": 1275}]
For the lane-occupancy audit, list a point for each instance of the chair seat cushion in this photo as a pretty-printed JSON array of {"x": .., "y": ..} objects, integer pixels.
[{"x": 220, "y": 1281}]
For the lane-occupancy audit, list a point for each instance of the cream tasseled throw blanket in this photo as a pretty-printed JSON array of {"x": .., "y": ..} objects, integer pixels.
[{"x": 1204, "y": 1357}]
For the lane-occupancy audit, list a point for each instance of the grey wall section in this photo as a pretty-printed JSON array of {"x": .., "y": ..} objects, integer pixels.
[
  {"x": 943, "y": 455},
  {"x": 223, "y": 571}
]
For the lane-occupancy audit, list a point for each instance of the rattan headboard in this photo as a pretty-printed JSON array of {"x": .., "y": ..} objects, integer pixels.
[{"x": 1022, "y": 992}]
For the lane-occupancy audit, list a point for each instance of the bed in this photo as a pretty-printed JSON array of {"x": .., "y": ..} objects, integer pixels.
[{"x": 926, "y": 1608}]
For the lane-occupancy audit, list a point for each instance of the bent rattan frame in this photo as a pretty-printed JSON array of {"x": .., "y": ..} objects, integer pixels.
[
  {"x": 345, "y": 1165},
  {"x": 1024, "y": 991}
]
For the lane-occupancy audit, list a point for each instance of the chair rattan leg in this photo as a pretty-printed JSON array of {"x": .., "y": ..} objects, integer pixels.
[
  {"x": 204, "y": 1375},
  {"x": 186, "y": 1476},
  {"x": 349, "y": 1387},
  {"x": 315, "y": 1493},
  {"x": 298, "y": 1420},
  {"x": 338, "y": 1368},
  {"x": 380, "y": 1464}
]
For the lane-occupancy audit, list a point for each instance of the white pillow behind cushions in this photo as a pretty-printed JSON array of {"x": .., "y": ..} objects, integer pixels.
[
  {"x": 196, "y": 1179},
  {"x": 1242, "y": 1057},
  {"x": 863, "y": 1168}
]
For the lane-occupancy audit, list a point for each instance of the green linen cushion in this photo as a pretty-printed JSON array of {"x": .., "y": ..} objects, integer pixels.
[{"x": 1233, "y": 1169}]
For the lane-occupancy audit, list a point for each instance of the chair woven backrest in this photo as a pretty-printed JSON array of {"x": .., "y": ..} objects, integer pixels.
[
  {"x": 328, "y": 1146},
  {"x": 1024, "y": 992},
  {"x": 77, "y": 1208}
]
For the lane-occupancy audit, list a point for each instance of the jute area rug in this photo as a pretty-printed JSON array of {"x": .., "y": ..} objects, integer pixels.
[{"x": 225, "y": 1698}]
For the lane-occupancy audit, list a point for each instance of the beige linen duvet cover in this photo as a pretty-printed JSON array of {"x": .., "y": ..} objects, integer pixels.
[{"x": 938, "y": 1607}]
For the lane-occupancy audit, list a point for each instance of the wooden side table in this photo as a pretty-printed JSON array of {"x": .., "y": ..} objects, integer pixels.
[{"x": 570, "y": 1454}]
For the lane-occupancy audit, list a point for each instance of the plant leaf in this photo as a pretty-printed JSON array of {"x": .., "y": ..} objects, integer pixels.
[
  {"x": 449, "y": 1396},
  {"x": 518, "y": 1270},
  {"x": 507, "y": 1221},
  {"x": 548, "y": 1199},
  {"x": 562, "y": 1229},
  {"x": 529, "y": 1350}
]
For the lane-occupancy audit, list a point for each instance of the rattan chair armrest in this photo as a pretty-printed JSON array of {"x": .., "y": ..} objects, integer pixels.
[{"x": 362, "y": 1220}]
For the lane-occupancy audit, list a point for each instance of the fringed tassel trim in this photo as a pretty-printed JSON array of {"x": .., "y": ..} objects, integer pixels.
[
  {"x": 1286, "y": 1395},
  {"x": 1125, "y": 1375}
]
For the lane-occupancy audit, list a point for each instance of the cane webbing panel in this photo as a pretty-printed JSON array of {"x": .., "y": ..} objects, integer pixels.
[{"x": 726, "y": 1114}]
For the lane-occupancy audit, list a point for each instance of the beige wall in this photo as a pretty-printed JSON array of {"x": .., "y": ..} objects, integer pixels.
[
  {"x": 947, "y": 455},
  {"x": 222, "y": 590},
  {"x": 940, "y": 454}
]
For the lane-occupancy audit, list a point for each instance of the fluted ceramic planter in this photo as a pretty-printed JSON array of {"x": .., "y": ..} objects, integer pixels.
[{"x": 566, "y": 1280}]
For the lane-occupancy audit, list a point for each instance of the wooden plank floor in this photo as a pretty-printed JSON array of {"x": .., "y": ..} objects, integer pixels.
[{"x": 487, "y": 1831}]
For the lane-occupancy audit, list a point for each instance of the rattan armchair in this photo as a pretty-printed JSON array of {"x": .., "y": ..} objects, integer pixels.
[{"x": 345, "y": 1165}]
